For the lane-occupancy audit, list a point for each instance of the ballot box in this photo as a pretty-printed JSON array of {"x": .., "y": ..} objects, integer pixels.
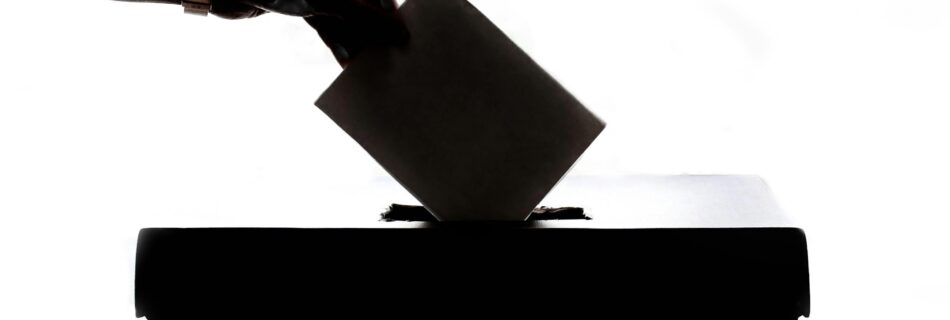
[{"x": 655, "y": 247}]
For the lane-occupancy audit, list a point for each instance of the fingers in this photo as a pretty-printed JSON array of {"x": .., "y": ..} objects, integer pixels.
[
  {"x": 346, "y": 26},
  {"x": 349, "y": 26},
  {"x": 229, "y": 9},
  {"x": 300, "y": 8},
  {"x": 239, "y": 9}
]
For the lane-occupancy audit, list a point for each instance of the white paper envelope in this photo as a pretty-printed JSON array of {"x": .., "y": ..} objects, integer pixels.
[{"x": 460, "y": 116}]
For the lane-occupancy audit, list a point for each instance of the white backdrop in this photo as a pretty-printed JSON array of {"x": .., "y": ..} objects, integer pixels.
[{"x": 116, "y": 116}]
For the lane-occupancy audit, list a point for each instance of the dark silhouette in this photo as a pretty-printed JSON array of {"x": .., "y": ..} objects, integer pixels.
[
  {"x": 528, "y": 131},
  {"x": 401, "y": 212},
  {"x": 346, "y": 26},
  {"x": 458, "y": 270}
]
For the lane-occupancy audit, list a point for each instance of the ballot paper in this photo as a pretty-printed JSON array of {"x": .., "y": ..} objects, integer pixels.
[{"x": 460, "y": 116}]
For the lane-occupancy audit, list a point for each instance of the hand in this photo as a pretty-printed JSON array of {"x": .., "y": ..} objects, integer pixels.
[
  {"x": 241, "y": 9},
  {"x": 349, "y": 26},
  {"x": 346, "y": 26}
]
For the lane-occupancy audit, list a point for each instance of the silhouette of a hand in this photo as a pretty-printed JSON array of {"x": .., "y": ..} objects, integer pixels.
[{"x": 346, "y": 26}]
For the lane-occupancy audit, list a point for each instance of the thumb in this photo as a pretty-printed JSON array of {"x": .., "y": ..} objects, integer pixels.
[
  {"x": 229, "y": 9},
  {"x": 300, "y": 8}
]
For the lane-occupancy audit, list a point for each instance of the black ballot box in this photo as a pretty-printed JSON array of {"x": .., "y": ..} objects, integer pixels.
[{"x": 723, "y": 261}]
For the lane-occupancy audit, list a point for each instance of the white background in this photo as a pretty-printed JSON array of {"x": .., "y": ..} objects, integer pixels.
[{"x": 116, "y": 116}]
